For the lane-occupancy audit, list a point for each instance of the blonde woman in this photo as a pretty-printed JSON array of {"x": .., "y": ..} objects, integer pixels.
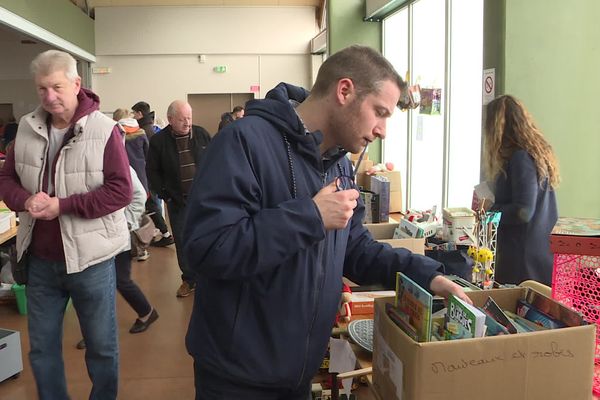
[{"x": 524, "y": 170}]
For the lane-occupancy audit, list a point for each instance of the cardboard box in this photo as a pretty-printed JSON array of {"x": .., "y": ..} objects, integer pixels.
[
  {"x": 364, "y": 165},
  {"x": 459, "y": 225},
  {"x": 355, "y": 156},
  {"x": 395, "y": 201},
  {"x": 552, "y": 364},
  {"x": 385, "y": 232},
  {"x": 363, "y": 303}
]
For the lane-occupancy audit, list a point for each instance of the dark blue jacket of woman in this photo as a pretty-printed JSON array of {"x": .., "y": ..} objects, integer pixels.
[
  {"x": 136, "y": 145},
  {"x": 529, "y": 213},
  {"x": 269, "y": 274}
]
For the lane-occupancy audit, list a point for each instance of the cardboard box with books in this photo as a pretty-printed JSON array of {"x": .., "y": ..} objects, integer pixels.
[
  {"x": 546, "y": 364},
  {"x": 384, "y": 232}
]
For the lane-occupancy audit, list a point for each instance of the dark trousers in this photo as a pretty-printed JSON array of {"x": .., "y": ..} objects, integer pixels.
[
  {"x": 128, "y": 288},
  {"x": 153, "y": 208},
  {"x": 177, "y": 219},
  {"x": 212, "y": 387}
]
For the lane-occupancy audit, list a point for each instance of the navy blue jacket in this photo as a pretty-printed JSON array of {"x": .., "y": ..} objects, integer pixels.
[
  {"x": 269, "y": 274},
  {"x": 136, "y": 145},
  {"x": 529, "y": 213}
]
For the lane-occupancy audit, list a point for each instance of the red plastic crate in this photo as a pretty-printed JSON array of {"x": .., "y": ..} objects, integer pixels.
[{"x": 576, "y": 282}]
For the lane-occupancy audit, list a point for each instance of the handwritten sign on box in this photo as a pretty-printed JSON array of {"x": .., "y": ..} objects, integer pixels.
[{"x": 552, "y": 364}]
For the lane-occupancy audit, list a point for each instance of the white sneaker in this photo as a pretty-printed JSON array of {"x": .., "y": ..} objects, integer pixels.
[{"x": 144, "y": 256}]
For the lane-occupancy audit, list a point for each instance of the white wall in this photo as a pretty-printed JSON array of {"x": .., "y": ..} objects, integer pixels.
[
  {"x": 160, "y": 79},
  {"x": 16, "y": 86},
  {"x": 153, "y": 51},
  {"x": 21, "y": 94}
]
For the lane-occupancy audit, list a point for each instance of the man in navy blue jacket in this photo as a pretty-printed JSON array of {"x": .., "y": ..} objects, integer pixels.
[{"x": 270, "y": 236}]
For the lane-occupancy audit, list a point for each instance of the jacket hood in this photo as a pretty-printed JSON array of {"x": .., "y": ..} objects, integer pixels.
[
  {"x": 88, "y": 103},
  {"x": 277, "y": 108},
  {"x": 134, "y": 135}
]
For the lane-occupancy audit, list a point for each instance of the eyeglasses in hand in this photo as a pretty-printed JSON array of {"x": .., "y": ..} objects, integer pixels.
[{"x": 346, "y": 182}]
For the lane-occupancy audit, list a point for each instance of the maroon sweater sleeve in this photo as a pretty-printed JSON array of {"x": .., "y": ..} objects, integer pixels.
[
  {"x": 116, "y": 192},
  {"x": 11, "y": 191}
]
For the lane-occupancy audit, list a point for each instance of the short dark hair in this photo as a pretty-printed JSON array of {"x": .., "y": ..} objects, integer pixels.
[
  {"x": 237, "y": 109},
  {"x": 141, "y": 106},
  {"x": 366, "y": 67}
]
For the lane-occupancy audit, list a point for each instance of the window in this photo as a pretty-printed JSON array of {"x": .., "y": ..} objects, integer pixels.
[{"x": 437, "y": 44}]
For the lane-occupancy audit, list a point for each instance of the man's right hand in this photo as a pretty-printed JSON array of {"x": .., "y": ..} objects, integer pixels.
[
  {"x": 336, "y": 207},
  {"x": 36, "y": 202}
]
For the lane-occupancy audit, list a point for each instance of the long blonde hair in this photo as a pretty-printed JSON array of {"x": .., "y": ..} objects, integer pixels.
[{"x": 510, "y": 127}]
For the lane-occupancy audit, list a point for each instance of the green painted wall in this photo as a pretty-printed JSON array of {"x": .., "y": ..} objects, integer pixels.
[
  {"x": 346, "y": 27},
  {"x": 552, "y": 59},
  {"x": 494, "y": 23},
  {"x": 60, "y": 17}
]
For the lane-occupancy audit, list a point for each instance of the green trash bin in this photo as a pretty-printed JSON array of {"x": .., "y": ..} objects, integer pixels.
[{"x": 21, "y": 296}]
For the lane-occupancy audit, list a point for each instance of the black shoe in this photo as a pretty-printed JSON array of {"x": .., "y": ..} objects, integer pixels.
[
  {"x": 140, "y": 326},
  {"x": 165, "y": 241},
  {"x": 81, "y": 344}
]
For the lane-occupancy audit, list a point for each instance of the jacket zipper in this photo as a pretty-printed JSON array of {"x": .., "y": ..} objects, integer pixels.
[{"x": 321, "y": 282}]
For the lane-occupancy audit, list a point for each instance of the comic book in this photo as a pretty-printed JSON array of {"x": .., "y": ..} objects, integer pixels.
[
  {"x": 416, "y": 303},
  {"x": 402, "y": 320},
  {"x": 536, "y": 316},
  {"x": 493, "y": 310},
  {"x": 463, "y": 320},
  {"x": 494, "y": 328}
]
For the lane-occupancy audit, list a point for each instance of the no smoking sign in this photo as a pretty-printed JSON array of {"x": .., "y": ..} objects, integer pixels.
[{"x": 489, "y": 85}]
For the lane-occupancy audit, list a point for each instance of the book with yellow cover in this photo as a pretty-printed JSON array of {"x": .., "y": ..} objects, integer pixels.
[{"x": 416, "y": 303}]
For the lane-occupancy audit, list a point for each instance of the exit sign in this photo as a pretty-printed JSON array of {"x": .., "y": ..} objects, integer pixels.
[{"x": 220, "y": 69}]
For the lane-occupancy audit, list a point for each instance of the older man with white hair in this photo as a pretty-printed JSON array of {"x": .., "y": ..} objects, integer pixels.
[
  {"x": 68, "y": 177},
  {"x": 171, "y": 165}
]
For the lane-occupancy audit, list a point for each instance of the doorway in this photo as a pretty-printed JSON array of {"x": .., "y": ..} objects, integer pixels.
[
  {"x": 207, "y": 108},
  {"x": 6, "y": 112}
]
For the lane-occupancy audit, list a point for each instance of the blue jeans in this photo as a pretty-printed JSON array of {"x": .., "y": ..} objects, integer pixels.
[{"x": 93, "y": 294}]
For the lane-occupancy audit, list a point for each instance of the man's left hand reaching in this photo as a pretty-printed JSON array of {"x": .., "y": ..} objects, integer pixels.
[{"x": 444, "y": 287}]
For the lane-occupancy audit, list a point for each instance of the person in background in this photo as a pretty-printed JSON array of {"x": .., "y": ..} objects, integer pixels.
[
  {"x": 274, "y": 221},
  {"x": 136, "y": 145},
  {"x": 229, "y": 117},
  {"x": 524, "y": 171},
  {"x": 171, "y": 164},
  {"x": 10, "y": 132},
  {"x": 130, "y": 291},
  {"x": 145, "y": 118},
  {"x": 238, "y": 112},
  {"x": 68, "y": 177}
]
